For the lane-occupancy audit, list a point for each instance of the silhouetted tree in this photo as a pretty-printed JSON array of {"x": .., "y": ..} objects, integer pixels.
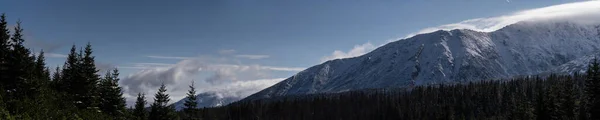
[
  {"x": 4, "y": 56},
  {"x": 191, "y": 104},
  {"x": 160, "y": 110},
  {"x": 111, "y": 95},
  {"x": 592, "y": 89},
  {"x": 139, "y": 111},
  {"x": 20, "y": 66},
  {"x": 89, "y": 81}
]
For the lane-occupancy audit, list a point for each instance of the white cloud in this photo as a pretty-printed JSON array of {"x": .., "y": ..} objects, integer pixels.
[
  {"x": 169, "y": 57},
  {"x": 51, "y": 55},
  {"x": 256, "y": 67},
  {"x": 243, "y": 88},
  {"x": 145, "y": 65},
  {"x": 36, "y": 45},
  {"x": 587, "y": 12},
  {"x": 291, "y": 69},
  {"x": 208, "y": 73},
  {"x": 237, "y": 89},
  {"x": 222, "y": 52},
  {"x": 583, "y": 12},
  {"x": 103, "y": 67},
  {"x": 55, "y": 55},
  {"x": 252, "y": 56},
  {"x": 154, "y": 64},
  {"x": 356, "y": 51}
]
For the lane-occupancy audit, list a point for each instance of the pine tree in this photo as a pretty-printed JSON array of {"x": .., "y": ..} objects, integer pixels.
[
  {"x": 25, "y": 84},
  {"x": 159, "y": 109},
  {"x": 191, "y": 104},
  {"x": 541, "y": 109},
  {"x": 111, "y": 96},
  {"x": 104, "y": 93},
  {"x": 69, "y": 74},
  {"x": 89, "y": 81},
  {"x": 568, "y": 106},
  {"x": 56, "y": 77},
  {"x": 41, "y": 75},
  {"x": 118, "y": 99},
  {"x": 552, "y": 102},
  {"x": 20, "y": 66},
  {"x": 139, "y": 111},
  {"x": 4, "y": 50},
  {"x": 70, "y": 83},
  {"x": 592, "y": 89},
  {"x": 79, "y": 79},
  {"x": 4, "y": 65},
  {"x": 41, "y": 71},
  {"x": 5, "y": 80}
]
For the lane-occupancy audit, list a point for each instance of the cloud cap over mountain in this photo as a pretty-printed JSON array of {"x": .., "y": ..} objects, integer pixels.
[{"x": 587, "y": 12}]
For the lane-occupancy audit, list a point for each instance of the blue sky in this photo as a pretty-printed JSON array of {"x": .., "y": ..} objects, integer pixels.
[{"x": 273, "y": 39}]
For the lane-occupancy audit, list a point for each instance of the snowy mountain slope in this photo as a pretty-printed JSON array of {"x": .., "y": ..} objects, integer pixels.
[
  {"x": 578, "y": 65},
  {"x": 524, "y": 48},
  {"x": 207, "y": 99}
]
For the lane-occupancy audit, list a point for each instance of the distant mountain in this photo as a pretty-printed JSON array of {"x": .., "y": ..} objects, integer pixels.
[
  {"x": 456, "y": 56},
  {"x": 208, "y": 99},
  {"x": 578, "y": 65}
]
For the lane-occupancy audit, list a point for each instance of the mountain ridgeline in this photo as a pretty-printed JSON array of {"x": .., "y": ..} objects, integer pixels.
[
  {"x": 455, "y": 56},
  {"x": 207, "y": 99}
]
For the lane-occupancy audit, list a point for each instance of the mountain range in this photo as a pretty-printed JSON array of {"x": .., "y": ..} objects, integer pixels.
[{"x": 445, "y": 56}]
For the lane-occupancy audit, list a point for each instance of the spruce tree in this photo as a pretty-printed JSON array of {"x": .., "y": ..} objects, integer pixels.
[
  {"x": 70, "y": 77},
  {"x": 20, "y": 66},
  {"x": 4, "y": 50},
  {"x": 40, "y": 67},
  {"x": 541, "y": 111},
  {"x": 568, "y": 106},
  {"x": 117, "y": 98},
  {"x": 5, "y": 80},
  {"x": 592, "y": 89},
  {"x": 40, "y": 72},
  {"x": 89, "y": 81},
  {"x": 552, "y": 100},
  {"x": 139, "y": 111},
  {"x": 160, "y": 110},
  {"x": 104, "y": 93},
  {"x": 191, "y": 104},
  {"x": 56, "y": 77},
  {"x": 111, "y": 96}
]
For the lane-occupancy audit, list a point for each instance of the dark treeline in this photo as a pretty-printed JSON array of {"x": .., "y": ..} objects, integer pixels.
[
  {"x": 554, "y": 97},
  {"x": 74, "y": 91}
]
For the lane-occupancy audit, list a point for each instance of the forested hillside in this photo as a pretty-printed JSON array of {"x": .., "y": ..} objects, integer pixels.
[{"x": 553, "y": 97}]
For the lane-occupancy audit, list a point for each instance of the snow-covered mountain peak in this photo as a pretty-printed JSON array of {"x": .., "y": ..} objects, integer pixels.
[{"x": 454, "y": 56}]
